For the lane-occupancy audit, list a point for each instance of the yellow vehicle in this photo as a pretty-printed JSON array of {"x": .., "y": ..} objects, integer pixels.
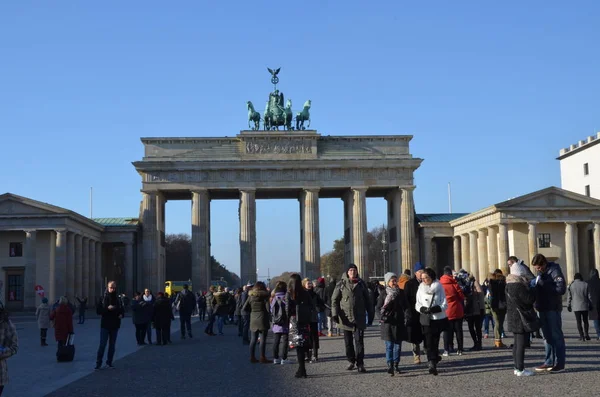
[{"x": 174, "y": 287}]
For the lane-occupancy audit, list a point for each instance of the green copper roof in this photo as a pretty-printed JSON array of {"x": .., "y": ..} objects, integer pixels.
[
  {"x": 438, "y": 217},
  {"x": 117, "y": 221}
]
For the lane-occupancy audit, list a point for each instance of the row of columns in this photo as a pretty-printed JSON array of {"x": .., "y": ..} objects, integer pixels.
[
  {"x": 75, "y": 270},
  {"x": 400, "y": 224},
  {"x": 481, "y": 252}
]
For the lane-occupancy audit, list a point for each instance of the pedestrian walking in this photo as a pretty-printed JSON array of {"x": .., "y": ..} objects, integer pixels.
[
  {"x": 350, "y": 307},
  {"x": 185, "y": 305},
  {"x": 474, "y": 312},
  {"x": 455, "y": 312},
  {"x": 300, "y": 310},
  {"x": 209, "y": 298},
  {"x": 258, "y": 305},
  {"x": 9, "y": 345},
  {"x": 580, "y": 302},
  {"x": 111, "y": 311},
  {"x": 63, "y": 321},
  {"x": 332, "y": 327},
  {"x": 42, "y": 314},
  {"x": 321, "y": 314},
  {"x": 432, "y": 305},
  {"x": 313, "y": 353}
]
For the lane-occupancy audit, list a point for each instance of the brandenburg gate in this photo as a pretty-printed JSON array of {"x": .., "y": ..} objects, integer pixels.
[{"x": 275, "y": 164}]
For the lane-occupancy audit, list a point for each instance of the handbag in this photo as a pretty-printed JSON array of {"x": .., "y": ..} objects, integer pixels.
[{"x": 425, "y": 319}]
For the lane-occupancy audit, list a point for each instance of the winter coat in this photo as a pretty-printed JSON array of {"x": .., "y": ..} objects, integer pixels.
[
  {"x": 258, "y": 304},
  {"x": 550, "y": 288},
  {"x": 520, "y": 296},
  {"x": 10, "y": 342},
  {"x": 301, "y": 308},
  {"x": 425, "y": 293},
  {"x": 393, "y": 329},
  {"x": 454, "y": 297},
  {"x": 42, "y": 314},
  {"x": 111, "y": 319},
  {"x": 475, "y": 301},
  {"x": 139, "y": 313},
  {"x": 63, "y": 322},
  {"x": 328, "y": 294},
  {"x": 221, "y": 303},
  {"x": 594, "y": 288},
  {"x": 351, "y": 304},
  {"x": 403, "y": 280},
  {"x": 187, "y": 302},
  {"x": 162, "y": 314},
  {"x": 579, "y": 296},
  {"x": 209, "y": 301},
  {"x": 321, "y": 293},
  {"x": 318, "y": 304},
  {"x": 497, "y": 290},
  {"x": 279, "y": 329},
  {"x": 238, "y": 307},
  {"x": 414, "y": 332}
]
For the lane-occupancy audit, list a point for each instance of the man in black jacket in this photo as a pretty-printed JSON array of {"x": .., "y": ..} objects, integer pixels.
[
  {"x": 186, "y": 305},
  {"x": 111, "y": 310},
  {"x": 550, "y": 286}
]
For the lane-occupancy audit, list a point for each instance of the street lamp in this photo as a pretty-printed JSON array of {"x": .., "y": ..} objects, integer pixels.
[{"x": 383, "y": 249}]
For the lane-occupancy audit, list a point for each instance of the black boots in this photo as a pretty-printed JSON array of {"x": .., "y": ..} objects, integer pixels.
[
  {"x": 44, "y": 342},
  {"x": 390, "y": 368},
  {"x": 433, "y": 368},
  {"x": 397, "y": 367}
]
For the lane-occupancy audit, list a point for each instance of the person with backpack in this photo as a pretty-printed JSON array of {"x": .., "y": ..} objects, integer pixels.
[
  {"x": 281, "y": 323},
  {"x": 258, "y": 305}
]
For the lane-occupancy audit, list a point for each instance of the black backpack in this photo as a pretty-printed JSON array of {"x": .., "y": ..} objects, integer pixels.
[{"x": 278, "y": 314}]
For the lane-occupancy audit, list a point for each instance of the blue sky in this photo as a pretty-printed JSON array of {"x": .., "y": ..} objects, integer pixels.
[{"x": 491, "y": 92}]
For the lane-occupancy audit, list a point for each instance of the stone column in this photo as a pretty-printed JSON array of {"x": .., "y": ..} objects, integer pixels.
[
  {"x": 58, "y": 270},
  {"x": 98, "y": 284},
  {"x": 248, "y": 235},
  {"x": 70, "y": 286},
  {"x": 456, "y": 251},
  {"x": 85, "y": 266},
  {"x": 473, "y": 252},
  {"x": 359, "y": 233},
  {"x": 302, "y": 237},
  {"x": 129, "y": 287},
  {"x": 482, "y": 253},
  {"x": 492, "y": 241},
  {"x": 428, "y": 252},
  {"x": 394, "y": 203},
  {"x": 532, "y": 241},
  {"x": 503, "y": 247},
  {"x": 597, "y": 244},
  {"x": 92, "y": 294},
  {"x": 78, "y": 265},
  {"x": 149, "y": 239},
  {"x": 465, "y": 252},
  {"x": 312, "y": 247},
  {"x": 408, "y": 228},
  {"x": 571, "y": 250},
  {"x": 161, "y": 265},
  {"x": 201, "y": 274},
  {"x": 29, "y": 297},
  {"x": 348, "y": 199},
  {"x": 583, "y": 254}
]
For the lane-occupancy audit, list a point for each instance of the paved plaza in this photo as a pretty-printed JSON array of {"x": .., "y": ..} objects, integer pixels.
[{"x": 219, "y": 365}]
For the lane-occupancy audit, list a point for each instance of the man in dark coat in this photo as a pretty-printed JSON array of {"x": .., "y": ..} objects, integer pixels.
[
  {"x": 163, "y": 315},
  {"x": 413, "y": 324},
  {"x": 111, "y": 310},
  {"x": 351, "y": 305},
  {"x": 186, "y": 305}
]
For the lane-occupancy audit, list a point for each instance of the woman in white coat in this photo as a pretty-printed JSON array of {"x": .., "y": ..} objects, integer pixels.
[{"x": 431, "y": 304}]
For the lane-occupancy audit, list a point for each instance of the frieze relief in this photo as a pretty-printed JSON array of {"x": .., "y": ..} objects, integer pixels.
[
  {"x": 278, "y": 147},
  {"x": 330, "y": 174}
]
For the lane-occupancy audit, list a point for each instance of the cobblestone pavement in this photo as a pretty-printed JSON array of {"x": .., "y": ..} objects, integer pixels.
[
  {"x": 219, "y": 365},
  {"x": 34, "y": 372}
]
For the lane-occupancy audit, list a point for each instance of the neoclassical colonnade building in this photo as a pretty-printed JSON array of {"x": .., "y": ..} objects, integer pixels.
[{"x": 271, "y": 165}]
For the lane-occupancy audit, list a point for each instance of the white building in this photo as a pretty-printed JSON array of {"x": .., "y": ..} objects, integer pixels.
[{"x": 580, "y": 167}]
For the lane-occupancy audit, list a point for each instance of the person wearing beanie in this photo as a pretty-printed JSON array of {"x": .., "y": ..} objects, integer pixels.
[
  {"x": 392, "y": 304},
  {"x": 350, "y": 307},
  {"x": 42, "y": 314}
]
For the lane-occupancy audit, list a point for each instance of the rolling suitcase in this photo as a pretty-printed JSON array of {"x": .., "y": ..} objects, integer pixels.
[{"x": 66, "y": 352}]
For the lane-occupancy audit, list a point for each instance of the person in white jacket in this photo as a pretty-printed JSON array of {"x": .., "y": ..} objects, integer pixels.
[{"x": 431, "y": 304}]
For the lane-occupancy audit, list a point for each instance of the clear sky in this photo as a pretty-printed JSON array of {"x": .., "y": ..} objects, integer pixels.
[{"x": 491, "y": 92}]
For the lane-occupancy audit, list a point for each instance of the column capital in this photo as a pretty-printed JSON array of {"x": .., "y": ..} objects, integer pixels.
[
  {"x": 483, "y": 230},
  {"x": 408, "y": 188},
  {"x": 149, "y": 192},
  {"x": 312, "y": 189},
  {"x": 248, "y": 190},
  {"x": 30, "y": 231},
  {"x": 359, "y": 188},
  {"x": 532, "y": 222},
  {"x": 61, "y": 230},
  {"x": 199, "y": 190},
  {"x": 570, "y": 223}
]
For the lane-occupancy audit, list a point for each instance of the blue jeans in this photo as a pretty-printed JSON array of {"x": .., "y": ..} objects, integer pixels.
[
  {"x": 81, "y": 317},
  {"x": 486, "y": 323},
  {"x": 597, "y": 327},
  {"x": 321, "y": 321},
  {"x": 110, "y": 336},
  {"x": 220, "y": 322},
  {"x": 554, "y": 343},
  {"x": 392, "y": 351}
]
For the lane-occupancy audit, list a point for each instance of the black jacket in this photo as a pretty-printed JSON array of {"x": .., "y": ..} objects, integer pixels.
[
  {"x": 163, "y": 314},
  {"x": 518, "y": 297},
  {"x": 328, "y": 294},
  {"x": 110, "y": 318},
  {"x": 187, "y": 302},
  {"x": 393, "y": 327},
  {"x": 413, "y": 329},
  {"x": 550, "y": 288}
]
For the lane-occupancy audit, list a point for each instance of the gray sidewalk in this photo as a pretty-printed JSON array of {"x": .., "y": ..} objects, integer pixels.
[{"x": 34, "y": 371}]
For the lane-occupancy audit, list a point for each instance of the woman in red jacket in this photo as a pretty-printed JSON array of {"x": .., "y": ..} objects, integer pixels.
[
  {"x": 63, "y": 320},
  {"x": 455, "y": 312}
]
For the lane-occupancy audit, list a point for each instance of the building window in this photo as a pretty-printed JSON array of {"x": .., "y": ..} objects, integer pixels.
[
  {"x": 586, "y": 169},
  {"x": 544, "y": 240},
  {"x": 15, "y": 250},
  {"x": 15, "y": 287},
  {"x": 587, "y": 190}
]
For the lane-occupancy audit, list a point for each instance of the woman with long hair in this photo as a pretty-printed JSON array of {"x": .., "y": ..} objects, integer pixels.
[
  {"x": 281, "y": 323},
  {"x": 300, "y": 309},
  {"x": 63, "y": 321},
  {"x": 432, "y": 305},
  {"x": 258, "y": 304},
  {"x": 313, "y": 353}
]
